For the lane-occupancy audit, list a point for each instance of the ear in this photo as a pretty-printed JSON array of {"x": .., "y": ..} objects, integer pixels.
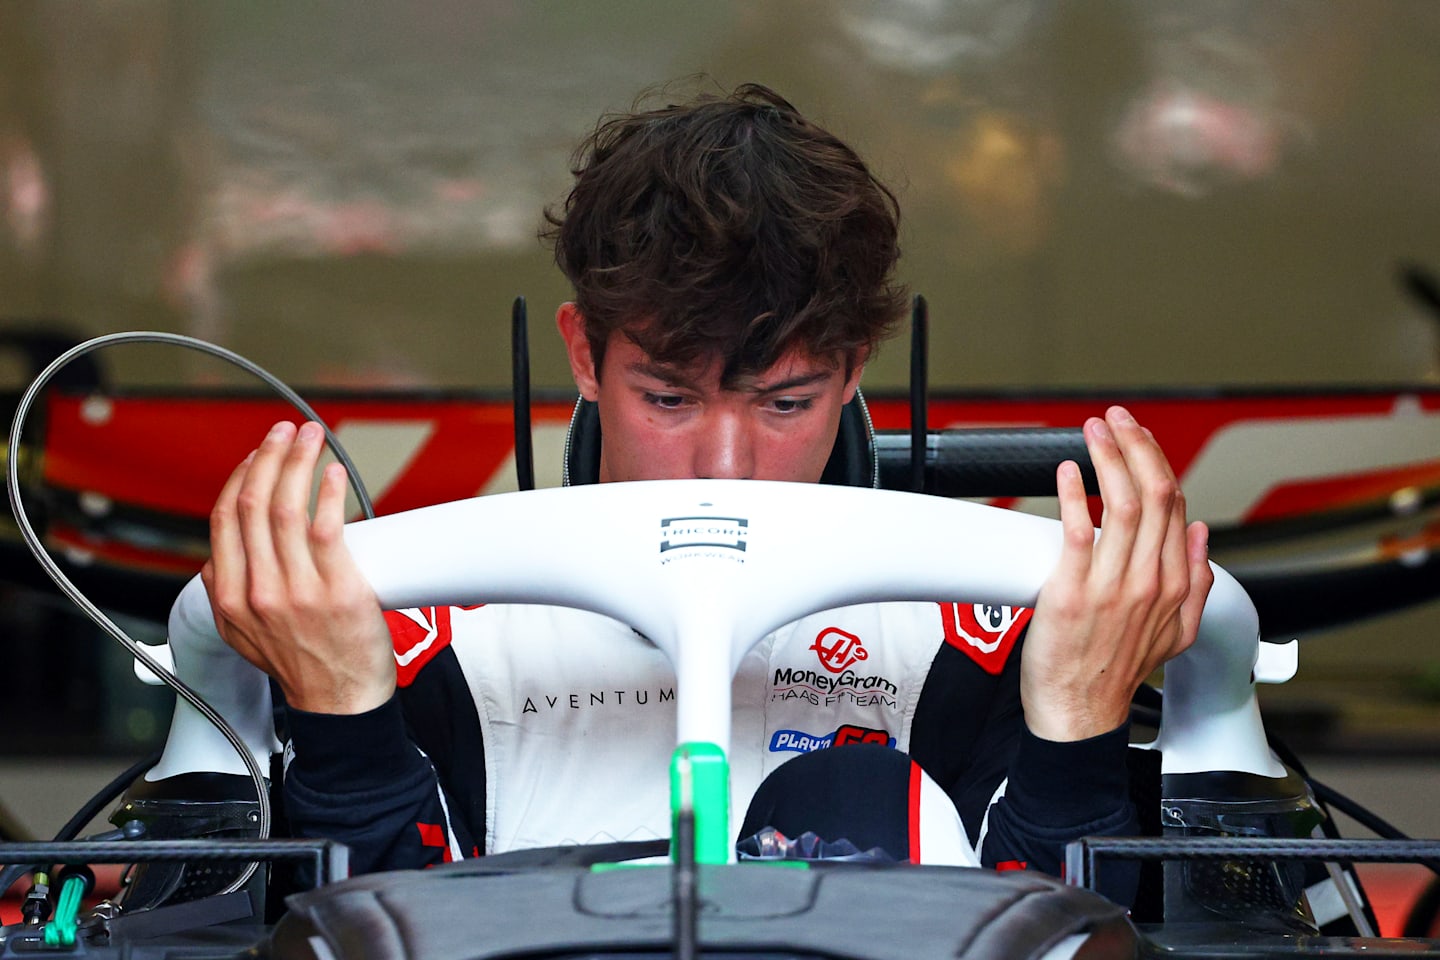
[
  {"x": 855, "y": 367},
  {"x": 571, "y": 324}
]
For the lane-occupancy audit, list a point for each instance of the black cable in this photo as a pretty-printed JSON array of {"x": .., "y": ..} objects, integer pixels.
[
  {"x": 1367, "y": 819},
  {"x": 88, "y": 812},
  {"x": 685, "y": 896},
  {"x": 1145, "y": 716},
  {"x": 520, "y": 395},
  {"x": 919, "y": 390},
  {"x": 1354, "y": 811},
  {"x": 10, "y": 874},
  {"x": 1328, "y": 797},
  {"x": 105, "y": 795},
  {"x": 1420, "y": 922},
  {"x": 1286, "y": 755}
]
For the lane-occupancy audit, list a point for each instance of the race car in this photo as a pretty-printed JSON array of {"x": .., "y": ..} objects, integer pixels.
[{"x": 1238, "y": 875}]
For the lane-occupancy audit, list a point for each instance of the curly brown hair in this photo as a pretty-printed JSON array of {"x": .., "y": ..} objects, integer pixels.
[{"x": 728, "y": 226}]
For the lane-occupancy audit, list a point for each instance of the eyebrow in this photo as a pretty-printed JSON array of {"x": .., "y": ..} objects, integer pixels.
[
  {"x": 675, "y": 378},
  {"x": 657, "y": 371},
  {"x": 794, "y": 383}
]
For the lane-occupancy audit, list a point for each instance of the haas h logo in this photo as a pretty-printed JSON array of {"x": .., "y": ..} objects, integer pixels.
[
  {"x": 985, "y": 632},
  {"x": 837, "y": 649}
]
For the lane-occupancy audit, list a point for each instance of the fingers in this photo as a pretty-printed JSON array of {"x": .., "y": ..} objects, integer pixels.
[
  {"x": 226, "y": 547},
  {"x": 1175, "y": 567},
  {"x": 1079, "y": 532},
  {"x": 289, "y": 507},
  {"x": 1201, "y": 579},
  {"x": 1144, "y": 512},
  {"x": 262, "y": 529},
  {"x": 1166, "y": 564},
  {"x": 1144, "y": 550},
  {"x": 1155, "y": 489},
  {"x": 224, "y": 575},
  {"x": 1119, "y": 498},
  {"x": 1161, "y": 544},
  {"x": 253, "y": 506},
  {"x": 326, "y": 533}
]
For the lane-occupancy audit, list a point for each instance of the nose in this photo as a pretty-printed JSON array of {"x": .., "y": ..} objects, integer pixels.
[{"x": 725, "y": 447}]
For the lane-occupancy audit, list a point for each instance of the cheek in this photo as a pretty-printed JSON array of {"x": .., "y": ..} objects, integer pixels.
[
  {"x": 635, "y": 445},
  {"x": 800, "y": 455}
]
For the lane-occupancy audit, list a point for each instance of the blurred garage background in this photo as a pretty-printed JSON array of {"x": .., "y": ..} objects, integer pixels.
[{"x": 1098, "y": 194}]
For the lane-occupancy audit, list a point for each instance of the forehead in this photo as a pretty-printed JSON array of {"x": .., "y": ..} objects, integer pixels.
[{"x": 624, "y": 356}]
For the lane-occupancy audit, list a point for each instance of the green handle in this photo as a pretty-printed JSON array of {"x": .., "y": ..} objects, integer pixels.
[
  {"x": 60, "y": 932},
  {"x": 700, "y": 781}
]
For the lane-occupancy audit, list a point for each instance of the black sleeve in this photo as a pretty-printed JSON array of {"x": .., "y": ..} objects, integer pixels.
[
  {"x": 966, "y": 730},
  {"x": 969, "y": 734},
  {"x": 361, "y": 781},
  {"x": 1059, "y": 792},
  {"x": 442, "y": 718}
]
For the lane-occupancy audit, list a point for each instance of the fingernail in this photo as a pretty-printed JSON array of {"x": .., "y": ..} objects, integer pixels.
[
  {"x": 278, "y": 430},
  {"x": 1102, "y": 429},
  {"x": 1123, "y": 415},
  {"x": 310, "y": 431}
]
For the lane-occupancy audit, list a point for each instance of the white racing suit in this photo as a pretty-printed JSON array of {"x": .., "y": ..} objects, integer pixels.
[{"x": 525, "y": 726}]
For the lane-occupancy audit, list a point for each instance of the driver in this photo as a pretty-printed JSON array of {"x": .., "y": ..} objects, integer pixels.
[{"x": 733, "y": 270}]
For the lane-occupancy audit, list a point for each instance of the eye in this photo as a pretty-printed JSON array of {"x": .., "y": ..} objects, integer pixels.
[
  {"x": 792, "y": 404},
  {"x": 665, "y": 401}
]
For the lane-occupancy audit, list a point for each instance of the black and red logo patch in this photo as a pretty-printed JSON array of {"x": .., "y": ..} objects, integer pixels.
[
  {"x": 418, "y": 634},
  {"x": 849, "y": 733},
  {"x": 985, "y": 632}
]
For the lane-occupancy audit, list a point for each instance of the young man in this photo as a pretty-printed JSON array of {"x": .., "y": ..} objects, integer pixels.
[{"x": 732, "y": 265}]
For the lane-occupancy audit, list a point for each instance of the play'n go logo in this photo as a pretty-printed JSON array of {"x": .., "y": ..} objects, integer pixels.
[{"x": 838, "y": 650}]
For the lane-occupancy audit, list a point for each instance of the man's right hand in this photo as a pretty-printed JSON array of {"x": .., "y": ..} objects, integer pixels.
[{"x": 284, "y": 589}]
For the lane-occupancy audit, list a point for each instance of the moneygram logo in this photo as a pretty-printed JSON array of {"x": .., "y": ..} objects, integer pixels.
[{"x": 826, "y": 690}]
